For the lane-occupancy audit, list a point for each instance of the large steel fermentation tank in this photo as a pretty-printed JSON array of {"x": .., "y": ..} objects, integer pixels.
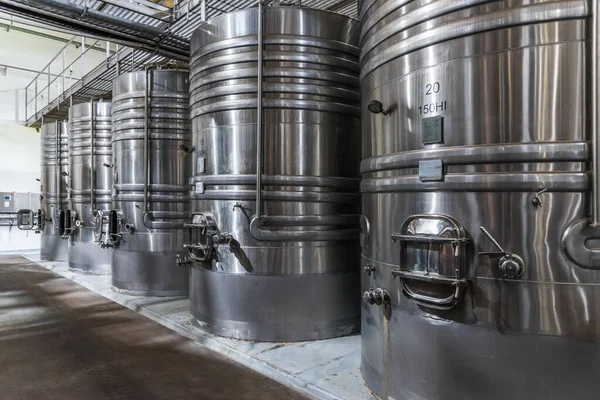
[
  {"x": 90, "y": 177},
  {"x": 280, "y": 266},
  {"x": 55, "y": 167},
  {"x": 480, "y": 279},
  {"x": 150, "y": 199}
]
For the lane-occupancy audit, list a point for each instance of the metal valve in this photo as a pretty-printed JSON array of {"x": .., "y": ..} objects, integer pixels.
[
  {"x": 222, "y": 238},
  {"x": 375, "y": 107},
  {"x": 369, "y": 269},
  {"x": 114, "y": 238},
  {"x": 376, "y": 297},
  {"x": 511, "y": 265},
  {"x": 204, "y": 237},
  {"x": 130, "y": 228}
]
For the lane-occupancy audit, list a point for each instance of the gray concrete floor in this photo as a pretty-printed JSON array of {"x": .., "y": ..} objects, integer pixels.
[
  {"x": 322, "y": 369},
  {"x": 59, "y": 340}
]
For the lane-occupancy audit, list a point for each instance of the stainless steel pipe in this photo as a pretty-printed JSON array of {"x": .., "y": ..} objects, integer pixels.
[
  {"x": 92, "y": 158},
  {"x": 595, "y": 112},
  {"x": 259, "y": 112},
  {"x": 146, "y": 140}
]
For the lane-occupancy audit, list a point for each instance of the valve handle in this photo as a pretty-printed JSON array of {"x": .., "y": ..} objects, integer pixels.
[{"x": 489, "y": 236}]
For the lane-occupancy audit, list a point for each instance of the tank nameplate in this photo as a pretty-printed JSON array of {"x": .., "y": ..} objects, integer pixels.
[
  {"x": 431, "y": 171},
  {"x": 433, "y": 130},
  {"x": 201, "y": 165}
]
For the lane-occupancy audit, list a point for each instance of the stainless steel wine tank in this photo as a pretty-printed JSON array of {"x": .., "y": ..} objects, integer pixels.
[
  {"x": 481, "y": 275},
  {"x": 280, "y": 266},
  {"x": 90, "y": 185},
  {"x": 150, "y": 199},
  {"x": 55, "y": 167}
]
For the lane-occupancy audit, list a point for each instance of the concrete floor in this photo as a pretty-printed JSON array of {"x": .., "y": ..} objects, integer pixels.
[
  {"x": 322, "y": 369},
  {"x": 59, "y": 340}
]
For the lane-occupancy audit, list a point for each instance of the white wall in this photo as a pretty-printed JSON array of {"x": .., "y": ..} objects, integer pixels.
[
  {"x": 32, "y": 52},
  {"x": 20, "y": 146},
  {"x": 19, "y": 158}
]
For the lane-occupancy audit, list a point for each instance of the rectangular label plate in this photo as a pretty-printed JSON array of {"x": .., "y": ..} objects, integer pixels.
[
  {"x": 433, "y": 130},
  {"x": 199, "y": 188},
  {"x": 431, "y": 171},
  {"x": 201, "y": 168}
]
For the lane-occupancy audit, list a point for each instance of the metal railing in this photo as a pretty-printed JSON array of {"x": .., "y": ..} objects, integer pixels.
[{"x": 58, "y": 76}]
